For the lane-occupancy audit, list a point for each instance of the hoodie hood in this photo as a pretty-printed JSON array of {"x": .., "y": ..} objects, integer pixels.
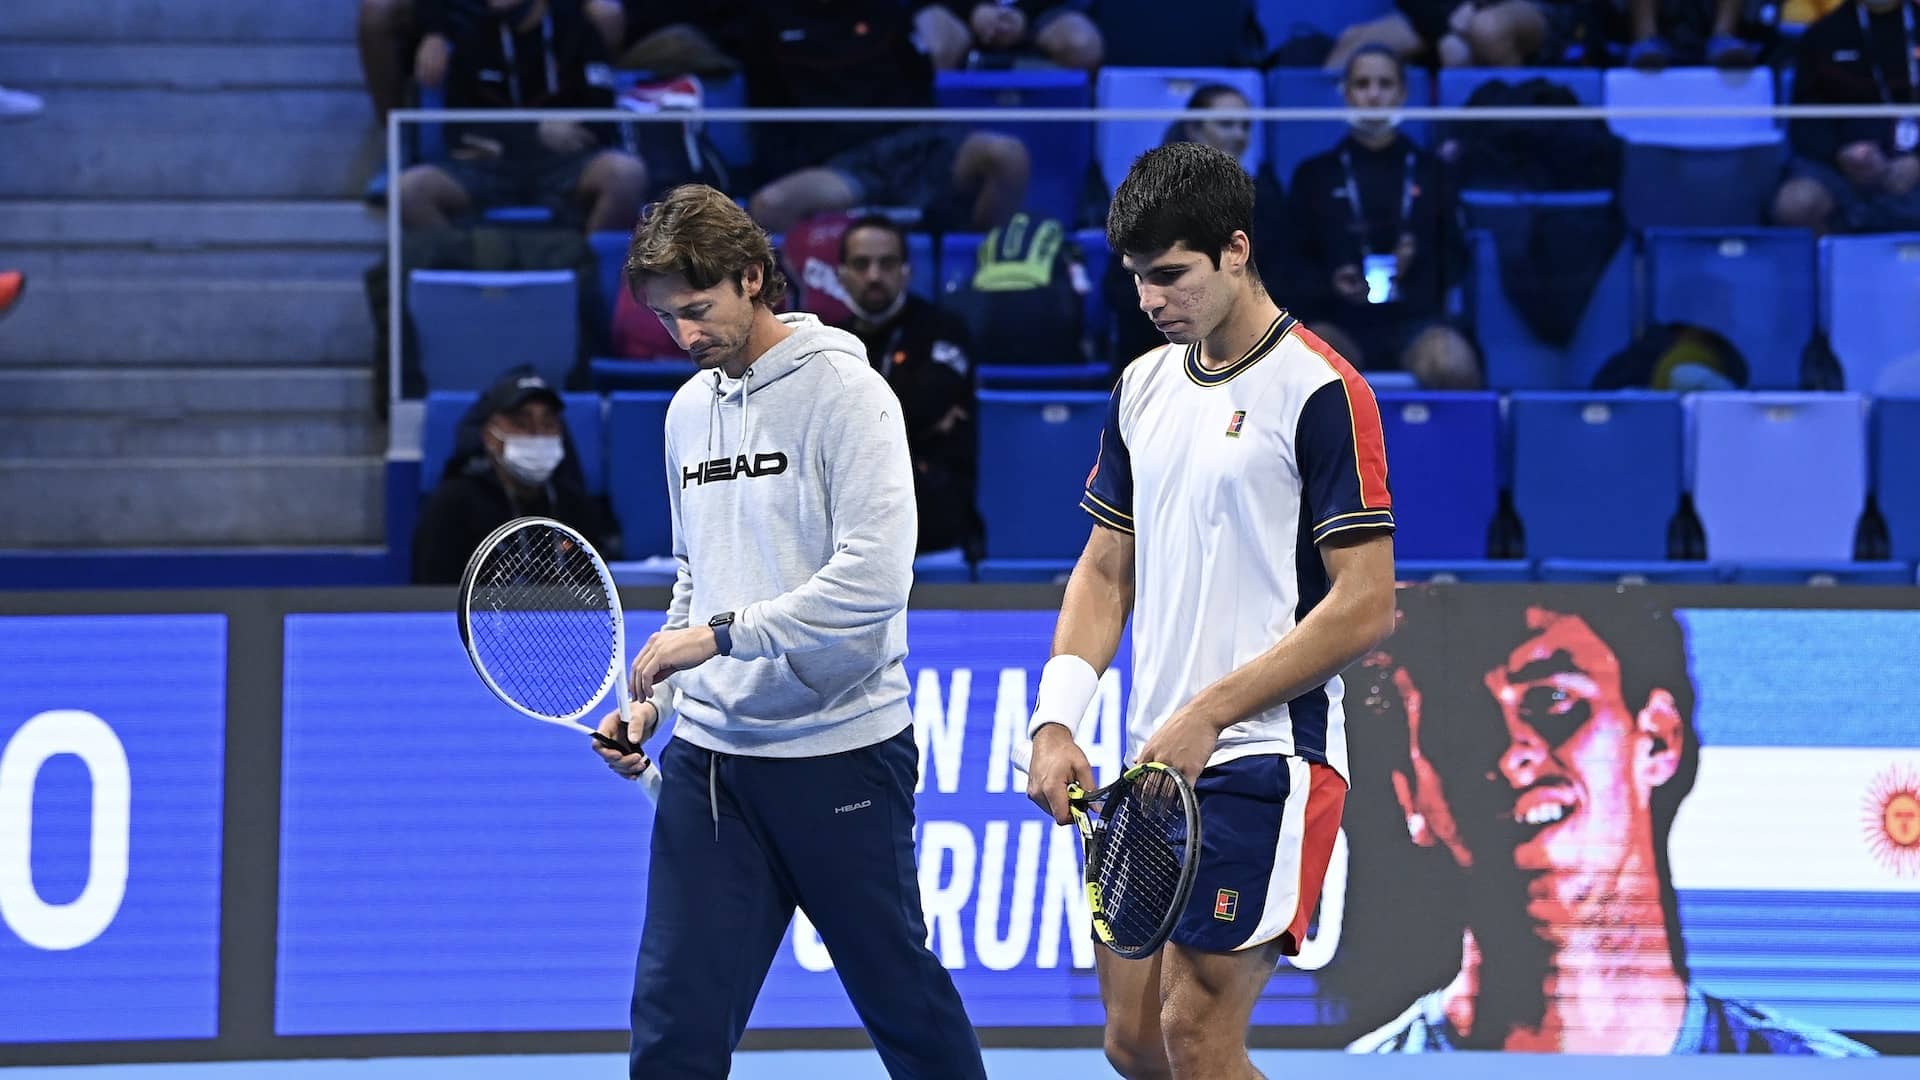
[{"x": 810, "y": 337}]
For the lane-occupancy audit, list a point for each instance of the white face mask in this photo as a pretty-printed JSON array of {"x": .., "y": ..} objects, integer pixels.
[
  {"x": 531, "y": 458},
  {"x": 875, "y": 317},
  {"x": 1375, "y": 120}
]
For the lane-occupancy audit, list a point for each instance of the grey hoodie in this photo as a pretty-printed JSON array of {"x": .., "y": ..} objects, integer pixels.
[{"x": 792, "y": 499}]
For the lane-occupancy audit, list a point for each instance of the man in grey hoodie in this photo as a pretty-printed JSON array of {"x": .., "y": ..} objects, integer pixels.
[{"x": 789, "y": 780}]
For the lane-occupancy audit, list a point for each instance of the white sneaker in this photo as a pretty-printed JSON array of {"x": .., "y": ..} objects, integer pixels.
[{"x": 19, "y": 103}]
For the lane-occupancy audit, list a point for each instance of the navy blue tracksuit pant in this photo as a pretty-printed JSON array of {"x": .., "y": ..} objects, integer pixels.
[{"x": 832, "y": 835}]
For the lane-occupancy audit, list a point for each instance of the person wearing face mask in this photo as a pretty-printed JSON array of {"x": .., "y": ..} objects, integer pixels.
[
  {"x": 1375, "y": 239},
  {"x": 1133, "y": 331},
  {"x": 512, "y": 458},
  {"x": 925, "y": 355}
]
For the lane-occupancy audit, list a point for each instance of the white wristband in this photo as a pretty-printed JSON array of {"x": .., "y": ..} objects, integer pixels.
[{"x": 1067, "y": 687}]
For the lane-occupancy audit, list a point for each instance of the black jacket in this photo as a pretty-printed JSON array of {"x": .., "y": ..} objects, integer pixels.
[
  {"x": 561, "y": 63},
  {"x": 1322, "y": 235},
  {"x": 1837, "y": 66},
  {"x": 924, "y": 353},
  {"x": 472, "y": 502}
]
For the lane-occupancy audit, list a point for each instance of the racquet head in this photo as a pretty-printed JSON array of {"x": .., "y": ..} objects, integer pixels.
[{"x": 1142, "y": 840}]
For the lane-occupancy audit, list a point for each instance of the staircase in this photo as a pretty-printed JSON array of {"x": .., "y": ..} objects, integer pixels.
[{"x": 189, "y": 366}]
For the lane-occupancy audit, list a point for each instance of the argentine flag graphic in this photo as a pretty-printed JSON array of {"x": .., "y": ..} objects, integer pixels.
[{"x": 1797, "y": 856}]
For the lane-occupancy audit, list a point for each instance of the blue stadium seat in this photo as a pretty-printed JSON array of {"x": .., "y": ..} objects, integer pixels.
[
  {"x": 1291, "y": 142},
  {"x": 618, "y": 373},
  {"x": 1756, "y": 286},
  {"x": 1515, "y": 357},
  {"x": 957, "y": 255},
  {"x": 1896, "y": 471},
  {"x": 1685, "y": 172},
  {"x": 1631, "y": 572},
  {"x": 1458, "y": 84},
  {"x": 1282, "y": 19},
  {"x": 1778, "y": 477},
  {"x": 733, "y": 140},
  {"x": 1035, "y": 450},
  {"x": 924, "y": 260},
  {"x": 1061, "y": 152},
  {"x": 1478, "y": 570},
  {"x": 1596, "y": 476},
  {"x": 1443, "y": 464},
  {"x": 610, "y": 251},
  {"x": 1093, "y": 247},
  {"x": 1045, "y": 376},
  {"x": 1869, "y": 300},
  {"x": 1835, "y": 573},
  {"x": 1118, "y": 142},
  {"x": 445, "y": 407},
  {"x": 637, "y": 471},
  {"x": 471, "y": 325}
]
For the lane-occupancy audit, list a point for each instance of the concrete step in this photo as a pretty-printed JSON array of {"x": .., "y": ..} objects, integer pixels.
[
  {"x": 148, "y": 435},
  {"x": 45, "y": 265},
  {"x": 177, "y": 20},
  {"x": 167, "y": 144},
  {"x": 116, "y": 322},
  {"x": 175, "y": 502},
  {"x": 193, "y": 225},
  {"x": 249, "y": 65},
  {"x": 185, "y": 392}
]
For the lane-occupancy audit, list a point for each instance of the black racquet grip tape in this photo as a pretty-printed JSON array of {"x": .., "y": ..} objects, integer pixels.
[{"x": 619, "y": 746}]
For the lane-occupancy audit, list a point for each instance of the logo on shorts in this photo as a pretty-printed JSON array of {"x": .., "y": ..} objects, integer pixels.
[
  {"x": 851, "y": 807},
  {"x": 1226, "y": 902},
  {"x": 1235, "y": 422}
]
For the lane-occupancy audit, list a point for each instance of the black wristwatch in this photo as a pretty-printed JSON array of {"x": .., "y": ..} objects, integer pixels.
[{"x": 722, "y": 625}]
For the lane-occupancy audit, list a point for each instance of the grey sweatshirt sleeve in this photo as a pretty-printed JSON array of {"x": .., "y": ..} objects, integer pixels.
[{"x": 869, "y": 480}]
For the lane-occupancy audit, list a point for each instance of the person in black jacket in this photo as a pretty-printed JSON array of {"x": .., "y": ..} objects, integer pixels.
[
  {"x": 1375, "y": 239},
  {"x": 1863, "y": 174},
  {"x": 924, "y": 353},
  {"x": 528, "y": 54},
  {"x": 1060, "y": 30},
  {"x": 512, "y": 458}
]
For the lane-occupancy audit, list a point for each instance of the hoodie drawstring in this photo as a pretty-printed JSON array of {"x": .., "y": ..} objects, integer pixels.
[
  {"x": 713, "y": 412},
  {"x": 746, "y": 392},
  {"x": 713, "y": 792}
]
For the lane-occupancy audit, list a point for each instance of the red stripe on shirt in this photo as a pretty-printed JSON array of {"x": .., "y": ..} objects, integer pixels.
[
  {"x": 1326, "y": 799},
  {"x": 1369, "y": 439}
]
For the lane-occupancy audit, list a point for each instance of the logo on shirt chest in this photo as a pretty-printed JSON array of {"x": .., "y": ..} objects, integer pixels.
[
  {"x": 1235, "y": 422},
  {"x": 733, "y": 468}
]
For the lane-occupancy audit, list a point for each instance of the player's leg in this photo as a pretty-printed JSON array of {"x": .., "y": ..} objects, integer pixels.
[
  {"x": 1070, "y": 39},
  {"x": 716, "y": 911},
  {"x": 430, "y": 196},
  {"x": 842, "y": 826},
  {"x": 1130, "y": 997},
  {"x": 1268, "y": 828},
  {"x": 786, "y": 202},
  {"x": 1506, "y": 33},
  {"x": 612, "y": 185}
]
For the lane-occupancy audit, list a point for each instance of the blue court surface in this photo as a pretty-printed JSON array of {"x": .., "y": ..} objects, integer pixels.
[{"x": 1002, "y": 1065}]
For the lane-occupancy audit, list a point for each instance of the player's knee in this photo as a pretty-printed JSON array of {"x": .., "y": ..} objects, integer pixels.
[
  {"x": 1195, "y": 1047},
  {"x": 1137, "y": 1054},
  {"x": 1004, "y": 157},
  {"x": 1802, "y": 203},
  {"x": 621, "y": 173},
  {"x": 775, "y": 206}
]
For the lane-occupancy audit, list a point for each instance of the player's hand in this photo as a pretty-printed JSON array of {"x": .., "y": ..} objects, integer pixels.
[
  {"x": 669, "y": 651},
  {"x": 1863, "y": 163},
  {"x": 430, "y": 60},
  {"x": 1184, "y": 742},
  {"x": 646, "y": 717},
  {"x": 1057, "y": 760}
]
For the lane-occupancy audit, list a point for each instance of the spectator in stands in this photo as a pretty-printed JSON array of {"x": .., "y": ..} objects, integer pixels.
[
  {"x": 1133, "y": 331},
  {"x": 1059, "y": 30},
  {"x": 18, "y": 103},
  {"x": 666, "y": 38},
  {"x": 528, "y": 54},
  {"x": 1456, "y": 33},
  {"x": 511, "y": 458},
  {"x": 924, "y": 353},
  {"x": 1856, "y": 175},
  {"x": 862, "y": 54},
  {"x": 12, "y": 284},
  {"x": 1376, "y": 239}
]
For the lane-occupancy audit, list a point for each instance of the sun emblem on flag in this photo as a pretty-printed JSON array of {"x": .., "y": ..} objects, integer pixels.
[{"x": 1892, "y": 820}]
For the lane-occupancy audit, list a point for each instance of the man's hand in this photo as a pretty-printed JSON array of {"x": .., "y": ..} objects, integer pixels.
[
  {"x": 646, "y": 717},
  {"x": 564, "y": 136},
  {"x": 669, "y": 651},
  {"x": 1864, "y": 164},
  {"x": 1057, "y": 760},
  {"x": 1184, "y": 742}
]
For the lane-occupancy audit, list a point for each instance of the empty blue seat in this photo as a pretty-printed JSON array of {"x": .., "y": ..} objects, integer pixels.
[
  {"x": 958, "y": 253},
  {"x": 1704, "y": 87},
  {"x": 1099, "y": 321},
  {"x": 1896, "y": 471},
  {"x": 923, "y": 261},
  {"x": 1458, "y": 84},
  {"x": 1118, "y": 142},
  {"x": 1870, "y": 303},
  {"x": 1832, "y": 573},
  {"x": 1689, "y": 172},
  {"x": 471, "y": 326},
  {"x": 1631, "y": 572},
  {"x": 732, "y": 139},
  {"x": 637, "y": 471},
  {"x": 1061, "y": 152},
  {"x": 1045, "y": 376},
  {"x": 442, "y": 420},
  {"x": 1596, "y": 476},
  {"x": 1035, "y": 450},
  {"x": 610, "y": 251},
  {"x": 1481, "y": 570},
  {"x": 1443, "y": 464},
  {"x": 1778, "y": 477},
  {"x": 1515, "y": 357},
  {"x": 618, "y": 373},
  {"x": 1755, "y": 286},
  {"x": 1291, "y": 142}
]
